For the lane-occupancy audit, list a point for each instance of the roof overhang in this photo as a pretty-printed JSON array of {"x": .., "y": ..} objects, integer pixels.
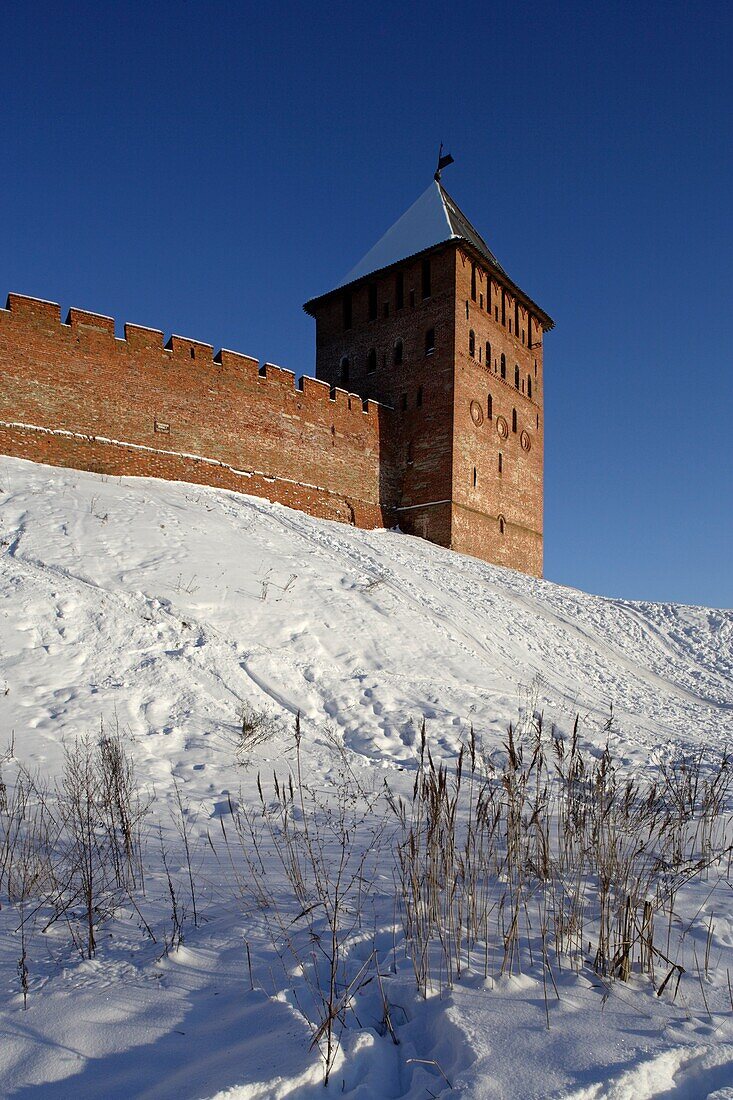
[{"x": 477, "y": 254}]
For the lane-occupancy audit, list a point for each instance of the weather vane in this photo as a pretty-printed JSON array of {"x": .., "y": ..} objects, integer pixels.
[{"x": 443, "y": 162}]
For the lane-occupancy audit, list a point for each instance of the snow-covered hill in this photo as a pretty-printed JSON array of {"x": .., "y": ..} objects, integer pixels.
[{"x": 163, "y": 609}]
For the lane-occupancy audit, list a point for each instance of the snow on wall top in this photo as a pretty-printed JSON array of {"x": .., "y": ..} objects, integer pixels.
[{"x": 432, "y": 219}]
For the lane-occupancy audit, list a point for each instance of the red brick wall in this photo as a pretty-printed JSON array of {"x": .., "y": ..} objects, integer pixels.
[
  {"x": 420, "y": 389},
  {"x": 73, "y": 394},
  {"x": 516, "y": 493},
  {"x": 439, "y": 443},
  {"x": 129, "y": 401}
]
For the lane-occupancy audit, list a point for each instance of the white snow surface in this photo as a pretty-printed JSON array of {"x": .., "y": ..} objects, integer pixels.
[{"x": 162, "y": 607}]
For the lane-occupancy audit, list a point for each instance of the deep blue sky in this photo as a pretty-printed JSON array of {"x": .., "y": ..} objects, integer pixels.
[{"x": 205, "y": 168}]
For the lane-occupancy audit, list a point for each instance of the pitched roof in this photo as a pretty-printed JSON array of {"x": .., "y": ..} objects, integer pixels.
[
  {"x": 433, "y": 219},
  {"x": 462, "y": 227}
]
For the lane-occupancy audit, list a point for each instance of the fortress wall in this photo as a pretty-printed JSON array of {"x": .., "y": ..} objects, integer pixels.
[{"x": 73, "y": 394}]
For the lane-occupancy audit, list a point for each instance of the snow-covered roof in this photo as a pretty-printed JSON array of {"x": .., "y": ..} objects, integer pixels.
[{"x": 432, "y": 219}]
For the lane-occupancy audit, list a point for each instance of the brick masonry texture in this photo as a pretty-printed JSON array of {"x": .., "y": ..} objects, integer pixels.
[
  {"x": 516, "y": 493},
  {"x": 137, "y": 407},
  {"x": 412, "y": 436},
  {"x": 457, "y": 408},
  {"x": 419, "y": 389}
]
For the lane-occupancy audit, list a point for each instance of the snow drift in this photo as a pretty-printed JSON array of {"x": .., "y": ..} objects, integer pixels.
[{"x": 165, "y": 609}]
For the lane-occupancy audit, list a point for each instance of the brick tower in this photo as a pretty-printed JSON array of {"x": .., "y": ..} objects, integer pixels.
[{"x": 429, "y": 323}]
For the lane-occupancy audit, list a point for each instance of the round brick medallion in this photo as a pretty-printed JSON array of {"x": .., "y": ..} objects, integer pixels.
[
  {"x": 502, "y": 427},
  {"x": 525, "y": 441},
  {"x": 477, "y": 413}
]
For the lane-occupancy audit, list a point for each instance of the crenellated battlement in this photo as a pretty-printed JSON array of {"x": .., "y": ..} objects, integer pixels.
[
  {"x": 73, "y": 393},
  {"x": 444, "y": 434},
  {"x": 82, "y": 325}
]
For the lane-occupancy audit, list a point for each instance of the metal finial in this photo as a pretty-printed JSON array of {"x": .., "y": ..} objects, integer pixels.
[{"x": 443, "y": 162}]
